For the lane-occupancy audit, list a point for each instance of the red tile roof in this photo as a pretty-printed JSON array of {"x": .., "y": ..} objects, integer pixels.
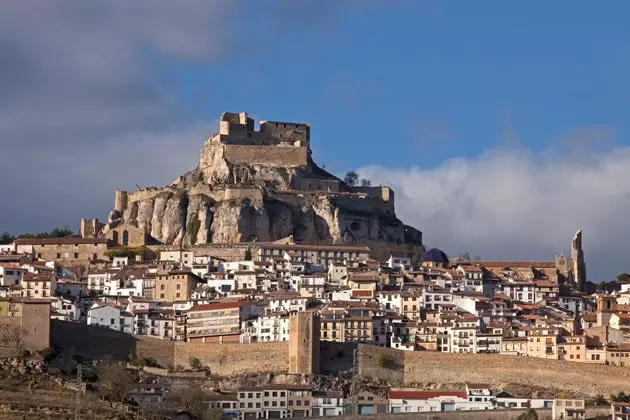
[
  {"x": 216, "y": 306},
  {"x": 60, "y": 241}
]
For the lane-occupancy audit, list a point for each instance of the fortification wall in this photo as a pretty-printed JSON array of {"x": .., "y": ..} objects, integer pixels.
[
  {"x": 147, "y": 194},
  {"x": 266, "y": 155},
  {"x": 498, "y": 370},
  {"x": 229, "y": 359},
  {"x": 364, "y": 203}
]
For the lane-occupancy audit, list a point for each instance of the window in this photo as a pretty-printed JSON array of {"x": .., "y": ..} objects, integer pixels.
[
  {"x": 179, "y": 286},
  {"x": 282, "y": 393},
  {"x": 58, "y": 255},
  {"x": 266, "y": 393},
  {"x": 111, "y": 321},
  {"x": 242, "y": 405},
  {"x": 250, "y": 405},
  {"x": 290, "y": 403},
  {"x": 125, "y": 236},
  {"x": 76, "y": 255},
  {"x": 274, "y": 403},
  {"x": 274, "y": 394},
  {"x": 298, "y": 402},
  {"x": 162, "y": 287}
]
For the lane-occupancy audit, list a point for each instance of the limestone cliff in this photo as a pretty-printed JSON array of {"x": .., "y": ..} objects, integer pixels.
[{"x": 261, "y": 185}]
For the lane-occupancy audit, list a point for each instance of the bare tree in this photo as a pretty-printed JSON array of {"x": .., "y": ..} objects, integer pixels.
[
  {"x": 366, "y": 183},
  {"x": 191, "y": 400},
  {"x": 114, "y": 381},
  {"x": 11, "y": 335},
  {"x": 351, "y": 178}
]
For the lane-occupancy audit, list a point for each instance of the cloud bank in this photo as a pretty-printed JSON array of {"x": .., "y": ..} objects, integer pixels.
[{"x": 517, "y": 204}]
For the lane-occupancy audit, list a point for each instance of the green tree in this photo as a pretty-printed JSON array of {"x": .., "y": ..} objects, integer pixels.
[
  {"x": 351, "y": 178},
  {"x": 6, "y": 238},
  {"x": 248, "y": 254},
  {"x": 623, "y": 278}
]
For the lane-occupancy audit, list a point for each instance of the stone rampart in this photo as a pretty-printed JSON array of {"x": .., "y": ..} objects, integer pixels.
[
  {"x": 147, "y": 194},
  {"x": 498, "y": 370},
  {"x": 281, "y": 156},
  {"x": 230, "y": 359}
]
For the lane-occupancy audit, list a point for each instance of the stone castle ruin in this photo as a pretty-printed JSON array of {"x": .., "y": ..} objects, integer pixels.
[{"x": 257, "y": 185}]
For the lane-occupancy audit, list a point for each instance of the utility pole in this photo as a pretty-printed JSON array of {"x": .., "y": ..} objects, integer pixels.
[{"x": 77, "y": 403}]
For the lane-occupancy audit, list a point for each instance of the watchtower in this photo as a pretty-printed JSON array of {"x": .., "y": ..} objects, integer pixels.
[{"x": 304, "y": 333}]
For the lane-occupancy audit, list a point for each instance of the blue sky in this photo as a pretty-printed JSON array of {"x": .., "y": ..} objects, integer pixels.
[
  {"x": 424, "y": 75},
  {"x": 503, "y": 126}
]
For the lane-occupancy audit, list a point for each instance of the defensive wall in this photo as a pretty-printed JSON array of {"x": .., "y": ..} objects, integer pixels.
[
  {"x": 282, "y": 156},
  {"x": 92, "y": 342},
  {"x": 499, "y": 370},
  {"x": 395, "y": 366},
  {"x": 543, "y": 414},
  {"x": 230, "y": 359}
]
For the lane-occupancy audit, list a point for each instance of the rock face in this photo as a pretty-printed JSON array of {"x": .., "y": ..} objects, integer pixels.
[{"x": 261, "y": 186}]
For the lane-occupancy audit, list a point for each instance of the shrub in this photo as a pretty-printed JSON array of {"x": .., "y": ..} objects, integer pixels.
[
  {"x": 530, "y": 414},
  {"x": 195, "y": 363},
  {"x": 384, "y": 361}
]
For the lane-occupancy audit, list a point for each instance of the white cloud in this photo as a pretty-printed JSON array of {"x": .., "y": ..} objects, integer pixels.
[{"x": 517, "y": 204}]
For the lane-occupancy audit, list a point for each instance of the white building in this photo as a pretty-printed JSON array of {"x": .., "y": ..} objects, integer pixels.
[
  {"x": 272, "y": 327},
  {"x": 186, "y": 258},
  {"x": 412, "y": 400},
  {"x": 10, "y": 275},
  {"x": 65, "y": 310},
  {"x": 398, "y": 263},
  {"x": 123, "y": 287},
  {"x": 97, "y": 280},
  {"x": 327, "y": 404},
  {"x": 110, "y": 316},
  {"x": 287, "y": 302}
]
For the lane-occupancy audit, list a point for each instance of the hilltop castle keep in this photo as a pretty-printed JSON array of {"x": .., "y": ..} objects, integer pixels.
[{"x": 257, "y": 185}]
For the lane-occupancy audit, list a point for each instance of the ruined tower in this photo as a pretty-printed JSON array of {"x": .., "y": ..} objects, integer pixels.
[{"x": 579, "y": 267}]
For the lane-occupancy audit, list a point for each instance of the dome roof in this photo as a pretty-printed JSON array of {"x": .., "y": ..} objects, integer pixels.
[{"x": 435, "y": 255}]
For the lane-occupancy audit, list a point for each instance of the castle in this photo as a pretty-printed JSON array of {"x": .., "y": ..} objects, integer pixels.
[{"x": 255, "y": 185}]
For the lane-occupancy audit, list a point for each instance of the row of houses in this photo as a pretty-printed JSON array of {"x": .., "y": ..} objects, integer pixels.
[{"x": 295, "y": 401}]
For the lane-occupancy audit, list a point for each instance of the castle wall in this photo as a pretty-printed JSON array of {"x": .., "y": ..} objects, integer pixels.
[
  {"x": 120, "y": 200},
  {"x": 287, "y": 132},
  {"x": 315, "y": 184},
  {"x": 266, "y": 155}
]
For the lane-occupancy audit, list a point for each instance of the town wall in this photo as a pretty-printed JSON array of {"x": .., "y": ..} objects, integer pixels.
[
  {"x": 230, "y": 359},
  {"x": 498, "y": 370},
  {"x": 282, "y": 156}
]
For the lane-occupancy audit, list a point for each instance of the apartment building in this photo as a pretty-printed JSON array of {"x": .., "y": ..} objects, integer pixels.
[
  {"x": 217, "y": 322},
  {"x": 543, "y": 343},
  {"x": 38, "y": 286},
  {"x": 271, "y": 327}
]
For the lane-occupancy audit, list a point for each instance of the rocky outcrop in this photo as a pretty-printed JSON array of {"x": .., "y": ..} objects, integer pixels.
[{"x": 232, "y": 201}]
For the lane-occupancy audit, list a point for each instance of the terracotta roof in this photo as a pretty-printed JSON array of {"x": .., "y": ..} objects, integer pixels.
[
  {"x": 411, "y": 394},
  {"x": 216, "y": 306},
  {"x": 517, "y": 264},
  {"x": 37, "y": 277},
  {"x": 590, "y": 317}
]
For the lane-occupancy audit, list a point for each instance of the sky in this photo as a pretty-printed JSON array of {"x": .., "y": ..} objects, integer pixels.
[{"x": 502, "y": 126}]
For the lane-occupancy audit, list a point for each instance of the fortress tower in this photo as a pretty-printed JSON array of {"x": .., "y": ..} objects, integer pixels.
[{"x": 304, "y": 333}]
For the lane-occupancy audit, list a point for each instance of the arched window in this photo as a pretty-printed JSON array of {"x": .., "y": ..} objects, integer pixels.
[
  {"x": 125, "y": 240},
  {"x": 115, "y": 237}
]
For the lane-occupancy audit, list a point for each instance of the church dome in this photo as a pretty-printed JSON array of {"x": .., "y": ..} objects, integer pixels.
[{"x": 435, "y": 255}]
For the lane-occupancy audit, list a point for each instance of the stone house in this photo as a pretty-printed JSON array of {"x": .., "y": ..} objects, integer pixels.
[
  {"x": 31, "y": 317},
  {"x": 175, "y": 285},
  {"x": 70, "y": 249}
]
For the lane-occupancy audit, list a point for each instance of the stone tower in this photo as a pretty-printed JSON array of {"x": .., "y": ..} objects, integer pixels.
[
  {"x": 304, "y": 331},
  {"x": 579, "y": 267}
]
